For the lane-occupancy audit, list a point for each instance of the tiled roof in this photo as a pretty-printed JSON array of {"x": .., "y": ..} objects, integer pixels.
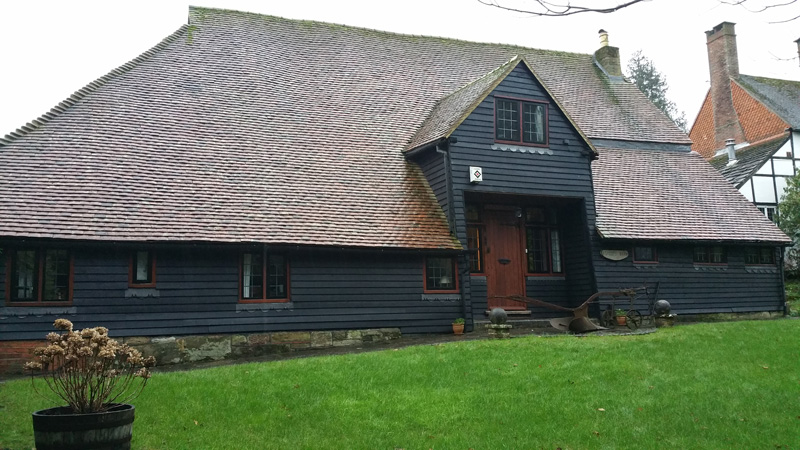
[
  {"x": 250, "y": 128},
  {"x": 781, "y": 96},
  {"x": 748, "y": 160},
  {"x": 658, "y": 195},
  {"x": 450, "y": 111},
  {"x": 757, "y": 120}
]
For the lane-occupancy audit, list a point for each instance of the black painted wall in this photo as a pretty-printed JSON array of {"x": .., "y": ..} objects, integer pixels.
[
  {"x": 561, "y": 171},
  {"x": 693, "y": 288},
  {"x": 197, "y": 293}
]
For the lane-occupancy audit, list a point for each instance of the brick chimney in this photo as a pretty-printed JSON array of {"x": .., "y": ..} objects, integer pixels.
[
  {"x": 723, "y": 63},
  {"x": 607, "y": 57}
]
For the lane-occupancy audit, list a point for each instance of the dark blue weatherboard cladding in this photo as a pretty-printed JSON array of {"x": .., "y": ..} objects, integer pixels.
[
  {"x": 693, "y": 288},
  {"x": 197, "y": 292},
  {"x": 561, "y": 171},
  {"x": 433, "y": 166}
]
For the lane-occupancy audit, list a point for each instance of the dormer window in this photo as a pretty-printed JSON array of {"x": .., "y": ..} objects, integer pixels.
[{"x": 520, "y": 121}]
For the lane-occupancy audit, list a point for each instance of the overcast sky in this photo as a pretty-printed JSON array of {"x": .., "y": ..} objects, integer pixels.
[{"x": 49, "y": 49}]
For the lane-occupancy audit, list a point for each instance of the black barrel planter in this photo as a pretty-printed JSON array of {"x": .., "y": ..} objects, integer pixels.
[{"x": 59, "y": 428}]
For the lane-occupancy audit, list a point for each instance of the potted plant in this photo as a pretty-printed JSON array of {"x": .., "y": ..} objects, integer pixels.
[
  {"x": 622, "y": 318},
  {"x": 458, "y": 326},
  {"x": 95, "y": 375}
]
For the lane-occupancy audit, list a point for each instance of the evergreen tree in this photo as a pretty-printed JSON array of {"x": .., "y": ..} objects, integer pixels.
[
  {"x": 789, "y": 221},
  {"x": 653, "y": 84}
]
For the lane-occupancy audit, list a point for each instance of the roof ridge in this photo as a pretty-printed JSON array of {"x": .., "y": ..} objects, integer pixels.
[
  {"x": 500, "y": 68},
  {"x": 93, "y": 86},
  {"x": 195, "y": 12},
  {"x": 757, "y": 77}
]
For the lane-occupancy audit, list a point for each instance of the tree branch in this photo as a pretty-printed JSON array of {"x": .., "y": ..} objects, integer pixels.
[{"x": 544, "y": 8}]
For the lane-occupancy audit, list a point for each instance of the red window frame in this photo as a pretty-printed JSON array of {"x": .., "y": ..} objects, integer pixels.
[
  {"x": 40, "y": 255},
  {"x": 645, "y": 261},
  {"x": 264, "y": 279},
  {"x": 521, "y": 141},
  {"x": 708, "y": 250},
  {"x": 549, "y": 227},
  {"x": 426, "y": 290},
  {"x": 132, "y": 283},
  {"x": 759, "y": 251},
  {"x": 478, "y": 250}
]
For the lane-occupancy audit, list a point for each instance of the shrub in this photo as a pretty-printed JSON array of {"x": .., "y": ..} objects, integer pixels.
[{"x": 89, "y": 370}]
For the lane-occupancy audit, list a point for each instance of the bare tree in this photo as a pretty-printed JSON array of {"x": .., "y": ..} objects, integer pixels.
[
  {"x": 545, "y": 8},
  {"x": 562, "y": 8}
]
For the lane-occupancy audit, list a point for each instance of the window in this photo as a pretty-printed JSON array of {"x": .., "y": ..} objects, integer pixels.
[
  {"x": 142, "y": 270},
  {"x": 759, "y": 256},
  {"x": 543, "y": 240},
  {"x": 769, "y": 211},
  {"x": 39, "y": 276},
  {"x": 475, "y": 238},
  {"x": 440, "y": 274},
  {"x": 520, "y": 121},
  {"x": 642, "y": 254},
  {"x": 264, "y": 282},
  {"x": 710, "y": 255}
]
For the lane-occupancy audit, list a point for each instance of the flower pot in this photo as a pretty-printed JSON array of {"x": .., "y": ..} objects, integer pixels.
[
  {"x": 458, "y": 328},
  {"x": 622, "y": 321},
  {"x": 60, "y": 428}
]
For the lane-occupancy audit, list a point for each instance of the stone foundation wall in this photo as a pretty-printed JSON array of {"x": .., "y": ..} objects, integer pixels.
[
  {"x": 170, "y": 350},
  {"x": 729, "y": 317},
  {"x": 187, "y": 349}
]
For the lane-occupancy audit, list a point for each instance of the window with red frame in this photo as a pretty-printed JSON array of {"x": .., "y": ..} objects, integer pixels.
[
  {"x": 543, "y": 239},
  {"x": 474, "y": 238},
  {"x": 264, "y": 282},
  {"x": 39, "y": 276},
  {"x": 440, "y": 274},
  {"x": 714, "y": 254},
  {"x": 645, "y": 254},
  {"x": 759, "y": 256},
  {"x": 520, "y": 121}
]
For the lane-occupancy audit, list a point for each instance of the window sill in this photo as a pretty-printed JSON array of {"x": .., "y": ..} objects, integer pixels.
[
  {"x": 546, "y": 276},
  {"x": 21, "y": 311},
  {"x": 262, "y": 306},
  {"x": 711, "y": 267},
  {"x": 141, "y": 292},
  {"x": 443, "y": 297},
  {"x": 522, "y": 148},
  {"x": 761, "y": 269}
]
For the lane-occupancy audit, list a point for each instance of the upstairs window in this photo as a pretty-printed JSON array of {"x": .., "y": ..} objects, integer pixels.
[
  {"x": 714, "y": 254},
  {"x": 543, "y": 239},
  {"x": 759, "y": 256},
  {"x": 142, "y": 271},
  {"x": 520, "y": 121},
  {"x": 440, "y": 274},
  {"x": 264, "y": 282},
  {"x": 37, "y": 277},
  {"x": 770, "y": 212}
]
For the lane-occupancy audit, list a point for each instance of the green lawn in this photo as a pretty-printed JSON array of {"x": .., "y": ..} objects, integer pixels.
[
  {"x": 793, "y": 295},
  {"x": 722, "y": 385}
]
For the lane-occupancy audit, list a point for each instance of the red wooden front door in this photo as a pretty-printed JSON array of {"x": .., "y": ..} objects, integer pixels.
[{"x": 504, "y": 258}]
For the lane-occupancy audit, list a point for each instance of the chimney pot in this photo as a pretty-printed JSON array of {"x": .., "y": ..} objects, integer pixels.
[
  {"x": 604, "y": 38},
  {"x": 730, "y": 144},
  {"x": 798, "y": 48}
]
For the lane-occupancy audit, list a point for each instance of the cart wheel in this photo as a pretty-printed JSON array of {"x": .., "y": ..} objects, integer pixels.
[
  {"x": 607, "y": 319},
  {"x": 634, "y": 319}
]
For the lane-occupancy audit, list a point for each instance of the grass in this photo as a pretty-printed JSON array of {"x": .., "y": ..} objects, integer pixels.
[
  {"x": 722, "y": 385},
  {"x": 793, "y": 296}
]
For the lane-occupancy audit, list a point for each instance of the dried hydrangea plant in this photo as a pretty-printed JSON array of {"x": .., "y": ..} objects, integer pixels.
[{"x": 89, "y": 370}]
